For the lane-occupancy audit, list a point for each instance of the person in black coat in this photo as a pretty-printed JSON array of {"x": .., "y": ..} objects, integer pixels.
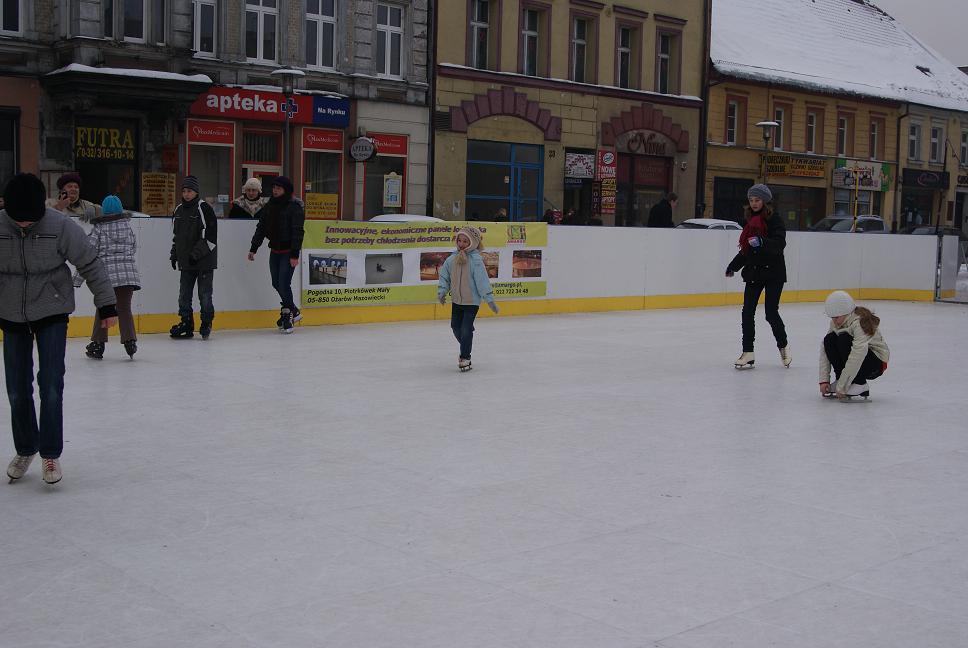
[
  {"x": 282, "y": 222},
  {"x": 193, "y": 251},
  {"x": 764, "y": 268},
  {"x": 661, "y": 213}
]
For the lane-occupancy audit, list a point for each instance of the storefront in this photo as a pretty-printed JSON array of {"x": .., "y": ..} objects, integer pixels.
[
  {"x": 19, "y": 124},
  {"x": 797, "y": 183},
  {"x": 579, "y": 205},
  {"x": 107, "y": 155},
  {"x": 921, "y": 196},
  {"x": 385, "y": 175},
  {"x": 861, "y": 187}
]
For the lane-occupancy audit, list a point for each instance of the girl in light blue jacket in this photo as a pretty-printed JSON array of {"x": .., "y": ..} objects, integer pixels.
[{"x": 465, "y": 277}]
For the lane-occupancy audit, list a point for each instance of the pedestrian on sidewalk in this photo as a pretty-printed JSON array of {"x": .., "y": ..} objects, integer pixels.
[
  {"x": 36, "y": 300},
  {"x": 761, "y": 259},
  {"x": 853, "y": 347},
  {"x": 464, "y": 276},
  {"x": 194, "y": 252},
  {"x": 116, "y": 246},
  {"x": 281, "y": 221}
]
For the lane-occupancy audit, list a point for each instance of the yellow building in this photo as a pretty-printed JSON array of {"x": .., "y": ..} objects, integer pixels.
[
  {"x": 588, "y": 108},
  {"x": 825, "y": 155}
]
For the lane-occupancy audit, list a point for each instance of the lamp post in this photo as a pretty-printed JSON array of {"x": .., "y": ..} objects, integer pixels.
[
  {"x": 767, "y": 127},
  {"x": 289, "y": 108}
]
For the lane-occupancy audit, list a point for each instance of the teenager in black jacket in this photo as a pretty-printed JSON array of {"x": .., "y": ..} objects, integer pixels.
[
  {"x": 193, "y": 251},
  {"x": 761, "y": 259},
  {"x": 281, "y": 221}
]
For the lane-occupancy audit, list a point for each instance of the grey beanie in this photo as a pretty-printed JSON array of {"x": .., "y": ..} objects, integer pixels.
[
  {"x": 760, "y": 191},
  {"x": 191, "y": 182}
]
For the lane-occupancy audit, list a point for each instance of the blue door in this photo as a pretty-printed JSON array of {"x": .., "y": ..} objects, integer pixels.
[{"x": 505, "y": 181}]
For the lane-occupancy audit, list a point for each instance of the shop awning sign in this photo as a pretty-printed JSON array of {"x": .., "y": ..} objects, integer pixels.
[
  {"x": 266, "y": 105},
  {"x": 926, "y": 179},
  {"x": 331, "y": 111},
  {"x": 857, "y": 174},
  {"x": 783, "y": 164},
  {"x": 102, "y": 139}
]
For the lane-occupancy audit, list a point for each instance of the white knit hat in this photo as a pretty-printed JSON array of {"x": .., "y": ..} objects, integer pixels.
[
  {"x": 252, "y": 183},
  {"x": 838, "y": 303}
]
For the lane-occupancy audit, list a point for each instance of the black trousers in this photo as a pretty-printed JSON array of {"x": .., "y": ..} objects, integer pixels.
[
  {"x": 750, "y": 297},
  {"x": 837, "y": 348}
]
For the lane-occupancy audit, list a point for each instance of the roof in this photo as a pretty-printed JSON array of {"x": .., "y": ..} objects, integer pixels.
[
  {"x": 126, "y": 72},
  {"x": 836, "y": 46}
]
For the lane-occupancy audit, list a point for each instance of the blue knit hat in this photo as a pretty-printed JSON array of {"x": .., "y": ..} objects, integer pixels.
[{"x": 111, "y": 206}]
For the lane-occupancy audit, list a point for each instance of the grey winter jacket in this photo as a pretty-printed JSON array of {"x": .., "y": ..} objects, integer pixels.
[
  {"x": 35, "y": 282},
  {"x": 116, "y": 245}
]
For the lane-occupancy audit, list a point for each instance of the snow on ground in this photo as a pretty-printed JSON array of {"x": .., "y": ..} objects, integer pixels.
[{"x": 598, "y": 480}]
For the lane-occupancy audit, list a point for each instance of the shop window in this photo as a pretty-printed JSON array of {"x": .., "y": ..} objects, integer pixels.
[
  {"x": 964, "y": 148},
  {"x": 504, "y": 176},
  {"x": 937, "y": 144},
  {"x": 483, "y": 34},
  {"x": 868, "y": 203},
  {"x": 12, "y": 17},
  {"x": 390, "y": 159},
  {"x": 135, "y": 12},
  {"x": 212, "y": 165},
  {"x": 914, "y": 141},
  {"x": 106, "y": 154},
  {"x": 583, "y": 54},
  {"x": 667, "y": 62},
  {"x": 261, "y": 148},
  {"x": 204, "y": 32},
  {"x": 321, "y": 33},
  {"x": 159, "y": 21},
  {"x": 735, "y": 127},
  {"x": 877, "y": 139},
  {"x": 261, "y": 18},
  {"x": 389, "y": 41},
  {"x": 627, "y": 57},
  {"x": 845, "y": 134},
  {"x": 9, "y": 154},
  {"x": 534, "y": 40}
]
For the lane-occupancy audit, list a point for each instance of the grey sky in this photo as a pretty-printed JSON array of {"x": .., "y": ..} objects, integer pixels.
[{"x": 938, "y": 23}]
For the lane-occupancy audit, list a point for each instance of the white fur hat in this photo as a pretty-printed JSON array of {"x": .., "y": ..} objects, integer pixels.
[
  {"x": 252, "y": 183},
  {"x": 838, "y": 303}
]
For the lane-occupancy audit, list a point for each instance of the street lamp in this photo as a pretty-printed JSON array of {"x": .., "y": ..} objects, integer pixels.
[
  {"x": 288, "y": 78},
  {"x": 767, "y": 127}
]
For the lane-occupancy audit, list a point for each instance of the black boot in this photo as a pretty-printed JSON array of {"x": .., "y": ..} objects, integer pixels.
[
  {"x": 184, "y": 329},
  {"x": 131, "y": 348},
  {"x": 95, "y": 350},
  {"x": 205, "y": 329},
  {"x": 279, "y": 321}
]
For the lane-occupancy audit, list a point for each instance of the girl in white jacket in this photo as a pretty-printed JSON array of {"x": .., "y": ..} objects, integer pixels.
[{"x": 853, "y": 347}]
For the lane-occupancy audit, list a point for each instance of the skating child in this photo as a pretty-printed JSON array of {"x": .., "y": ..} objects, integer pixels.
[
  {"x": 854, "y": 347},
  {"x": 463, "y": 275}
]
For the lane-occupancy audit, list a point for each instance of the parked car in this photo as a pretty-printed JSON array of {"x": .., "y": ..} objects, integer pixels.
[
  {"x": 404, "y": 218},
  {"x": 841, "y": 223},
  {"x": 931, "y": 230},
  {"x": 709, "y": 224}
]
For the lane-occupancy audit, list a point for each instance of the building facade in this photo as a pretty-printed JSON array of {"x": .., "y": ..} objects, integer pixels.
[
  {"x": 586, "y": 108},
  {"x": 135, "y": 94}
]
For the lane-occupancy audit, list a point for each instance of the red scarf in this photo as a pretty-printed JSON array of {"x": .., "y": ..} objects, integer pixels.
[{"x": 755, "y": 226}]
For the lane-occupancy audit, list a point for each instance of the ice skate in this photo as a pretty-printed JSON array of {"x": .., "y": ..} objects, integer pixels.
[
  {"x": 831, "y": 390},
  {"x": 183, "y": 330},
  {"x": 745, "y": 361},
  {"x": 52, "y": 471},
  {"x": 785, "y": 356},
  {"x": 464, "y": 364},
  {"x": 286, "y": 320},
  {"x": 860, "y": 393},
  {"x": 18, "y": 467},
  {"x": 94, "y": 350},
  {"x": 296, "y": 314},
  {"x": 205, "y": 330},
  {"x": 131, "y": 348}
]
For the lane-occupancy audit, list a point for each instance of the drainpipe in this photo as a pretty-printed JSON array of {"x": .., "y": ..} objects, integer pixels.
[
  {"x": 432, "y": 104},
  {"x": 897, "y": 150},
  {"x": 703, "y": 113}
]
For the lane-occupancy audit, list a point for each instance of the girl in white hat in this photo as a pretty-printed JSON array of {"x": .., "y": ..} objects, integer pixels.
[{"x": 854, "y": 348}]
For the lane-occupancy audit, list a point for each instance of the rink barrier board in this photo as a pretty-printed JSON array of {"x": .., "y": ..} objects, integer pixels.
[{"x": 234, "y": 320}]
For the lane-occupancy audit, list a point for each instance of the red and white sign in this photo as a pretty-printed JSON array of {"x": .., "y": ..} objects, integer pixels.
[
  {"x": 607, "y": 164},
  {"x": 201, "y": 131},
  {"x": 389, "y": 144},
  {"x": 261, "y": 105},
  {"x": 320, "y": 139}
]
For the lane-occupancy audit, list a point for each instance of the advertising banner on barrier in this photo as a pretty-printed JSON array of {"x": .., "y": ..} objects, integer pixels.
[{"x": 346, "y": 263}]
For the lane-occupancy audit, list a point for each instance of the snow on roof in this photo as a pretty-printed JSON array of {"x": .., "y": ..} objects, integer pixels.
[
  {"x": 299, "y": 91},
  {"x": 144, "y": 74},
  {"x": 842, "y": 46}
]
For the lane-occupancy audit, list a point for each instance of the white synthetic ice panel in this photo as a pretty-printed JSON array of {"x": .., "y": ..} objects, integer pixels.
[{"x": 598, "y": 480}]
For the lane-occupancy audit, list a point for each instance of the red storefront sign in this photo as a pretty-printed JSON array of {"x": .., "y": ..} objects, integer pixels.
[
  {"x": 606, "y": 171},
  {"x": 389, "y": 144},
  {"x": 320, "y": 139},
  {"x": 210, "y": 132},
  {"x": 261, "y": 105},
  {"x": 607, "y": 164}
]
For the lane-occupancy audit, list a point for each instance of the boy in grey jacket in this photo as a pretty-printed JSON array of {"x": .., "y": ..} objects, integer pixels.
[{"x": 36, "y": 298}]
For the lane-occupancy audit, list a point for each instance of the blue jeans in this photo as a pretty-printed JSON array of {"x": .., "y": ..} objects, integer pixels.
[
  {"x": 18, "y": 363},
  {"x": 462, "y": 323},
  {"x": 281, "y": 272},
  {"x": 205, "y": 290}
]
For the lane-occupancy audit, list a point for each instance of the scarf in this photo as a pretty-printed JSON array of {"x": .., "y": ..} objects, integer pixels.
[
  {"x": 250, "y": 206},
  {"x": 755, "y": 226},
  {"x": 474, "y": 236}
]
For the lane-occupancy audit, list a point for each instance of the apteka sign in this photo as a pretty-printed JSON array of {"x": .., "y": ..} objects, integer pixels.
[{"x": 266, "y": 105}]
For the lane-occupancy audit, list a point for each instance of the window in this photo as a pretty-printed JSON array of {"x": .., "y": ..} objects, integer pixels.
[
  {"x": 261, "y": 17},
  {"x": 845, "y": 134},
  {"x": 321, "y": 33},
  {"x": 732, "y": 121},
  {"x": 937, "y": 144},
  {"x": 667, "y": 62},
  {"x": 203, "y": 28},
  {"x": 12, "y": 20},
  {"x": 9, "y": 154},
  {"x": 480, "y": 33},
  {"x": 107, "y": 7},
  {"x": 624, "y": 52},
  {"x": 579, "y": 49},
  {"x": 531, "y": 41},
  {"x": 504, "y": 176},
  {"x": 389, "y": 40},
  {"x": 914, "y": 141},
  {"x": 159, "y": 21},
  {"x": 811, "y": 139},
  {"x": 134, "y": 20},
  {"x": 779, "y": 133},
  {"x": 261, "y": 148},
  {"x": 964, "y": 148},
  {"x": 876, "y": 151}
]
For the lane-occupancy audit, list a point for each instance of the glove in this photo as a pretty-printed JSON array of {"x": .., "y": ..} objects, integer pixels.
[
  {"x": 174, "y": 264},
  {"x": 442, "y": 298},
  {"x": 755, "y": 241},
  {"x": 494, "y": 308}
]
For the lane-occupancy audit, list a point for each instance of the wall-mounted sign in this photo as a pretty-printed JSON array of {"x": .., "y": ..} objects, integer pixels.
[
  {"x": 158, "y": 193},
  {"x": 645, "y": 142},
  {"x": 362, "y": 149},
  {"x": 784, "y": 164},
  {"x": 606, "y": 171},
  {"x": 318, "y": 139},
  {"x": 201, "y": 131},
  {"x": 389, "y": 144},
  {"x": 267, "y": 105},
  {"x": 579, "y": 165},
  {"x": 105, "y": 139},
  {"x": 926, "y": 179},
  {"x": 866, "y": 176},
  {"x": 963, "y": 180},
  {"x": 331, "y": 111},
  {"x": 392, "y": 190},
  {"x": 322, "y": 206}
]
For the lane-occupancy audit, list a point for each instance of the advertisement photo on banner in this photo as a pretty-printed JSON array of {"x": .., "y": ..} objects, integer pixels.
[
  {"x": 384, "y": 269},
  {"x": 526, "y": 263},
  {"x": 327, "y": 269}
]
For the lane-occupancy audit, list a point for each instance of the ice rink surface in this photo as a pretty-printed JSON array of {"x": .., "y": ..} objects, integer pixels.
[{"x": 597, "y": 481}]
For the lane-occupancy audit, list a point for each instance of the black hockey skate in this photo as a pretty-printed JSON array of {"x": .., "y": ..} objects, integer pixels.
[
  {"x": 131, "y": 348},
  {"x": 205, "y": 330},
  {"x": 95, "y": 350},
  {"x": 183, "y": 330}
]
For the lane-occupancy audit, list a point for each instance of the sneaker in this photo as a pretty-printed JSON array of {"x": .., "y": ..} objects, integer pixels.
[
  {"x": 18, "y": 466},
  {"x": 745, "y": 361},
  {"x": 286, "y": 321},
  {"x": 785, "y": 356},
  {"x": 52, "y": 471}
]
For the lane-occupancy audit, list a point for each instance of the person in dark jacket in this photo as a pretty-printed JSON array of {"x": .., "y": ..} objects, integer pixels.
[
  {"x": 250, "y": 202},
  {"x": 194, "y": 252},
  {"x": 36, "y": 300},
  {"x": 661, "y": 213},
  {"x": 281, "y": 221},
  {"x": 761, "y": 259}
]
